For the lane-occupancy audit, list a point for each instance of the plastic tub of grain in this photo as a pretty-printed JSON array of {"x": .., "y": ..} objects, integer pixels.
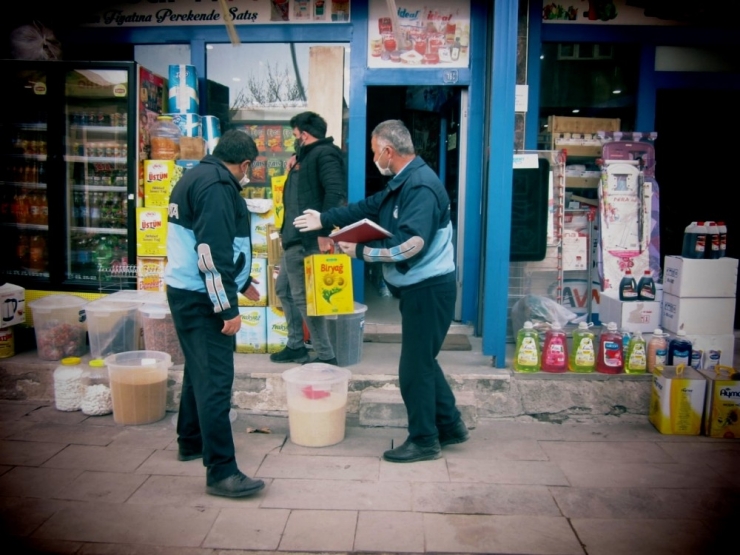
[
  {"x": 138, "y": 386},
  {"x": 59, "y": 325},
  {"x": 159, "y": 331},
  {"x": 317, "y": 403}
]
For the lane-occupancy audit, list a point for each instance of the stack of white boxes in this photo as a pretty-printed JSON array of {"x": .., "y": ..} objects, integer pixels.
[{"x": 699, "y": 298}]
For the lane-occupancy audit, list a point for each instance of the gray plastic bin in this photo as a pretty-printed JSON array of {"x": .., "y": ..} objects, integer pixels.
[{"x": 346, "y": 335}]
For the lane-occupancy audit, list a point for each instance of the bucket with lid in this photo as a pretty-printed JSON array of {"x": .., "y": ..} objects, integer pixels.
[
  {"x": 317, "y": 403},
  {"x": 159, "y": 331},
  {"x": 59, "y": 325},
  {"x": 113, "y": 327},
  {"x": 138, "y": 386}
]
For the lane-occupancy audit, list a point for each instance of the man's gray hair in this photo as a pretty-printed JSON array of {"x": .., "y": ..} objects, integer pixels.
[{"x": 394, "y": 133}]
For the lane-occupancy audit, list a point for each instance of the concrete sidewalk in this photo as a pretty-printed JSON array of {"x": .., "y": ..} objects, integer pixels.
[{"x": 76, "y": 484}]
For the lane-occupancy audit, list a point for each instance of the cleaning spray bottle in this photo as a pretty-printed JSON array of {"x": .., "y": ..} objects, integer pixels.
[
  {"x": 527, "y": 351},
  {"x": 555, "y": 350},
  {"x": 636, "y": 360},
  {"x": 610, "y": 359},
  {"x": 583, "y": 354}
]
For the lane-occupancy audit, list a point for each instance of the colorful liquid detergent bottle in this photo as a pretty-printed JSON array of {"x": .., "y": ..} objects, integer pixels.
[
  {"x": 713, "y": 240},
  {"x": 635, "y": 362},
  {"x": 657, "y": 350},
  {"x": 527, "y": 351},
  {"x": 646, "y": 287},
  {"x": 610, "y": 359},
  {"x": 722, "y": 227},
  {"x": 679, "y": 350},
  {"x": 555, "y": 350},
  {"x": 694, "y": 240},
  {"x": 628, "y": 287},
  {"x": 583, "y": 354}
]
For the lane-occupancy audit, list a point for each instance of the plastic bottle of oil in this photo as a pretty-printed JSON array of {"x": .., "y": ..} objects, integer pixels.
[
  {"x": 583, "y": 354},
  {"x": 527, "y": 351},
  {"x": 635, "y": 361}
]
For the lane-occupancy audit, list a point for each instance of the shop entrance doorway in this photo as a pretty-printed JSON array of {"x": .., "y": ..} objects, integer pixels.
[{"x": 438, "y": 127}]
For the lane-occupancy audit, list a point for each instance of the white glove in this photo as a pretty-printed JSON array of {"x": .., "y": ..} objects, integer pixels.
[{"x": 310, "y": 221}]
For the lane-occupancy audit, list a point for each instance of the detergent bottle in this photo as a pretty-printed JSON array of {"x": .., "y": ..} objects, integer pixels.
[
  {"x": 694, "y": 240},
  {"x": 713, "y": 241},
  {"x": 636, "y": 360},
  {"x": 527, "y": 351},
  {"x": 722, "y": 227},
  {"x": 679, "y": 350},
  {"x": 555, "y": 350},
  {"x": 657, "y": 350},
  {"x": 610, "y": 359},
  {"x": 646, "y": 287},
  {"x": 628, "y": 287},
  {"x": 583, "y": 354}
]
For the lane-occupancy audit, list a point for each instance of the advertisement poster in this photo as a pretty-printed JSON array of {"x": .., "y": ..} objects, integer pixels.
[
  {"x": 419, "y": 34},
  {"x": 149, "y": 13},
  {"x": 613, "y": 12}
]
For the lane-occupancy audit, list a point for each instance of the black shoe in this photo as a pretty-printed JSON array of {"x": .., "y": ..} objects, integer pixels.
[
  {"x": 290, "y": 355},
  {"x": 411, "y": 452},
  {"x": 457, "y": 434},
  {"x": 236, "y": 485},
  {"x": 185, "y": 456},
  {"x": 332, "y": 361}
]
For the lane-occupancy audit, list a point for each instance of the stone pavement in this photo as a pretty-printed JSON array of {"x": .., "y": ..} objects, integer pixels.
[{"x": 84, "y": 485}]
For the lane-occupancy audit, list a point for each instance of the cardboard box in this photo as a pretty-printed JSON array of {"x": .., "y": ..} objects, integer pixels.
[
  {"x": 277, "y": 329},
  {"x": 642, "y": 316},
  {"x": 272, "y": 299},
  {"x": 150, "y": 273},
  {"x": 677, "y": 401},
  {"x": 259, "y": 223},
  {"x": 714, "y": 349},
  {"x": 259, "y": 280},
  {"x": 151, "y": 232},
  {"x": 274, "y": 244},
  {"x": 12, "y": 305},
  {"x": 252, "y": 337},
  {"x": 722, "y": 405},
  {"x": 686, "y": 277},
  {"x": 696, "y": 315},
  {"x": 192, "y": 148},
  {"x": 328, "y": 284}
]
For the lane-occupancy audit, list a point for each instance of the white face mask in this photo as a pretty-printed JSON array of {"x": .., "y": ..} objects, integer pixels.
[
  {"x": 383, "y": 171},
  {"x": 243, "y": 181}
]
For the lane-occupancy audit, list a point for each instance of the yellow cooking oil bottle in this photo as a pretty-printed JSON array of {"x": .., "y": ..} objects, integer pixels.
[
  {"x": 583, "y": 354},
  {"x": 527, "y": 354},
  {"x": 635, "y": 361}
]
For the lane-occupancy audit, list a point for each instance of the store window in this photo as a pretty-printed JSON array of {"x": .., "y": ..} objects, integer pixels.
[
  {"x": 158, "y": 57},
  {"x": 589, "y": 80}
]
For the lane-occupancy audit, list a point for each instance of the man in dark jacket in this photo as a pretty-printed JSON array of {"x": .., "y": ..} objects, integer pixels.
[
  {"x": 419, "y": 267},
  {"x": 209, "y": 258},
  {"x": 318, "y": 181}
]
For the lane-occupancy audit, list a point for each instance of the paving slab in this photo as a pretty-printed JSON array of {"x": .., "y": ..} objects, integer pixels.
[
  {"x": 28, "y": 453},
  {"x": 390, "y": 532},
  {"x": 342, "y": 495},
  {"x": 500, "y": 534},
  {"x": 247, "y": 528},
  {"x": 108, "y": 487},
  {"x": 484, "y": 499},
  {"x": 68, "y": 433},
  {"x": 45, "y": 483},
  {"x": 319, "y": 468},
  {"x": 13, "y": 410},
  {"x": 102, "y": 459},
  {"x": 496, "y": 449},
  {"x": 314, "y": 530},
  {"x": 20, "y": 516},
  {"x": 506, "y": 472},
  {"x": 596, "y": 451},
  {"x": 180, "y": 491},
  {"x": 586, "y": 474},
  {"x": 423, "y": 471}
]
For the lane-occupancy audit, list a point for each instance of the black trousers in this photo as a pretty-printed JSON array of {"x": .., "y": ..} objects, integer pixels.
[
  {"x": 426, "y": 315},
  {"x": 203, "y": 422}
]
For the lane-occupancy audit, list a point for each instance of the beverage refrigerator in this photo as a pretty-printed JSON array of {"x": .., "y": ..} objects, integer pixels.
[{"x": 72, "y": 138}]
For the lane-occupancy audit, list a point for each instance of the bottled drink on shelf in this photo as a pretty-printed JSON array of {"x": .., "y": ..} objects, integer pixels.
[
  {"x": 94, "y": 206},
  {"x": 20, "y": 206},
  {"x": 103, "y": 253},
  {"x": 34, "y": 207},
  {"x": 21, "y": 250},
  {"x": 37, "y": 253}
]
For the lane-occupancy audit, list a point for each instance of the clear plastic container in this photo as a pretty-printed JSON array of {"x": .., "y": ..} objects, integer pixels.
[
  {"x": 317, "y": 403},
  {"x": 97, "y": 399},
  {"x": 138, "y": 383},
  {"x": 164, "y": 137},
  {"x": 346, "y": 335},
  {"x": 159, "y": 331},
  {"x": 69, "y": 387},
  {"x": 59, "y": 325},
  {"x": 113, "y": 327}
]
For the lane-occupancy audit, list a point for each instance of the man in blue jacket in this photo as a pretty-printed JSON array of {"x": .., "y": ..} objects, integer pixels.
[
  {"x": 419, "y": 268},
  {"x": 209, "y": 258}
]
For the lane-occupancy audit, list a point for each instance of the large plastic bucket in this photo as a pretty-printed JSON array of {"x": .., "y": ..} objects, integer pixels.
[
  {"x": 159, "y": 331},
  {"x": 138, "y": 386},
  {"x": 317, "y": 403},
  {"x": 113, "y": 327},
  {"x": 346, "y": 333}
]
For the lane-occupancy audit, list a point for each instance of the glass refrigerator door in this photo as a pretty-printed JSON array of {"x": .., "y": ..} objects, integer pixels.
[
  {"x": 96, "y": 110},
  {"x": 24, "y": 209}
]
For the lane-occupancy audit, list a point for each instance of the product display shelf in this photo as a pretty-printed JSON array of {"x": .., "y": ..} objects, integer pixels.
[
  {"x": 120, "y": 277},
  {"x": 578, "y": 138}
]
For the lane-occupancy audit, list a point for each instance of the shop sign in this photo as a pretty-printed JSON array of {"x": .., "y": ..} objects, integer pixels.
[
  {"x": 165, "y": 13},
  {"x": 419, "y": 34}
]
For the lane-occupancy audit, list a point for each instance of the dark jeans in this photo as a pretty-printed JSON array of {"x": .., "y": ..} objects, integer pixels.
[
  {"x": 426, "y": 315},
  {"x": 203, "y": 422}
]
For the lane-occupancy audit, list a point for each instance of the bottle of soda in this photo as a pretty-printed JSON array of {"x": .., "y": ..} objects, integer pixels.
[{"x": 103, "y": 253}]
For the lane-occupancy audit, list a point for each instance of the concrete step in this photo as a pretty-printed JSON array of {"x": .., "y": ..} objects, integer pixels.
[{"x": 385, "y": 408}]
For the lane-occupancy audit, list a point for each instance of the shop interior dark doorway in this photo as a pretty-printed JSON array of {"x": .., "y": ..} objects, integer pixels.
[{"x": 432, "y": 115}]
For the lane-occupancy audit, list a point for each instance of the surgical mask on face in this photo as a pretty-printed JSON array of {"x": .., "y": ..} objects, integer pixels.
[
  {"x": 383, "y": 171},
  {"x": 244, "y": 181}
]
